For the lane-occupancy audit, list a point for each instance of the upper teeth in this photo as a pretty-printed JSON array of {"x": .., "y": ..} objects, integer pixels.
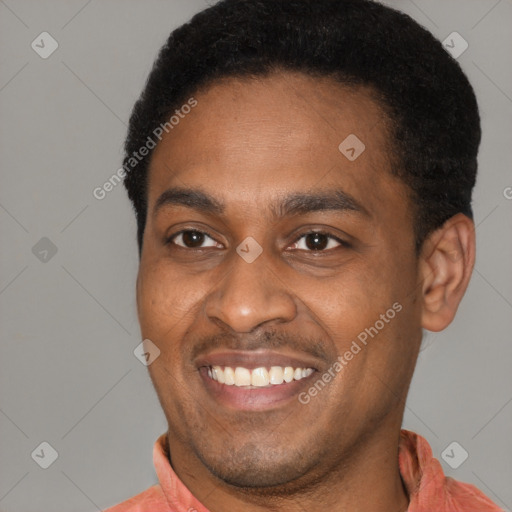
[{"x": 258, "y": 377}]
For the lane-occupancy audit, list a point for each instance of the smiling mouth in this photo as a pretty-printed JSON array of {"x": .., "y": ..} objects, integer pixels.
[{"x": 255, "y": 378}]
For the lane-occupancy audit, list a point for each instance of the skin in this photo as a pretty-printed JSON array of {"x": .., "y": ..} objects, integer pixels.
[{"x": 249, "y": 144}]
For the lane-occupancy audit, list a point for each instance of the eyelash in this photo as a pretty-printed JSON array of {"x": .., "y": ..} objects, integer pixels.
[
  {"x": 342, "y": 243},
  {"x": 170, "y": 239},
  {"x": 330, "y": 237}
]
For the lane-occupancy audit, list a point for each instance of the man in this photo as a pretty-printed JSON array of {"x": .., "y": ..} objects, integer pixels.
[{"x": 301, "y": 174}]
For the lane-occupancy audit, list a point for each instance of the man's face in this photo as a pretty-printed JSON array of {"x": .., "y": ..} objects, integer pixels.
[{"x": 261, "y": 159}]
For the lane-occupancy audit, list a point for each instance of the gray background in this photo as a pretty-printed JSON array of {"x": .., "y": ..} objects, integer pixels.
[{"x": 68, "y": 325}]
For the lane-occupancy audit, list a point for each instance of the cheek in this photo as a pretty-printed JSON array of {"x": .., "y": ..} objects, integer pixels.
[
  {"x": 355, "y": 295},
  {"x": 378, "y": 314},
  {"x": 362, "y": 300},
  {"x": 164, "y": 299}
]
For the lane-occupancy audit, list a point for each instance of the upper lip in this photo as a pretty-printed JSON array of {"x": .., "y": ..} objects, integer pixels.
[{"x": 251, "y": 359}]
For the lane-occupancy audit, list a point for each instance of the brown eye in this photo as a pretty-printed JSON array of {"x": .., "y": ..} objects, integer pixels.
[
  {"x": 317, "y": 242},
  {"x": 193, "y": 239}
]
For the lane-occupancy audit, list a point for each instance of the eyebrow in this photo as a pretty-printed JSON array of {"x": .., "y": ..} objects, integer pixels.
[
  {"x": 294, "y": 204},
  {"x": 333, "y": 200},
  {"x": 190, "y": 198}
]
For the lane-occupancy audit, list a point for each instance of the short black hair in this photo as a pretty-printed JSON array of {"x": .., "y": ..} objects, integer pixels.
[{"x": 435, "y": 124}]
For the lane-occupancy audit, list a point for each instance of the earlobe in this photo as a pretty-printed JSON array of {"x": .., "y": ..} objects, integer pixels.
[{"x": 446, "y": 264}]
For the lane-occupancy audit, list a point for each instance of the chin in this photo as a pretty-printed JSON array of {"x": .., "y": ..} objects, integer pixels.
[{"x": 251, "y": 467}]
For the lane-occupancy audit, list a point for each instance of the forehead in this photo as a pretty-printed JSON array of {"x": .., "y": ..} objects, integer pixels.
[{"x": 249, "y": 139}]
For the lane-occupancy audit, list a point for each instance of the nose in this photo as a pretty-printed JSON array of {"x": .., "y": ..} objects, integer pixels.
[{"x": 249, "y": 296}]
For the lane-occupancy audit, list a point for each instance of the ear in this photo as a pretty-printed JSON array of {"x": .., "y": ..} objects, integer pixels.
[{"x": 446, "y": 264}]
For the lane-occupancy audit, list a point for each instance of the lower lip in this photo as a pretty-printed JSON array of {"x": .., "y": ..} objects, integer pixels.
[{"x": 254, "y": 399}]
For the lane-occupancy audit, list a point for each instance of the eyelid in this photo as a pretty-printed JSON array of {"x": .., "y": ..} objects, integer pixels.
[
  {"x": 170, "y": 239},
  {"x": 343, "y": 243},
  {"x": 340, "y": 241}
]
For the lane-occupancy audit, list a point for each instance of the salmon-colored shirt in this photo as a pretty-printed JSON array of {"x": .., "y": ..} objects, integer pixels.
[{"x": 429, "y": 489}]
